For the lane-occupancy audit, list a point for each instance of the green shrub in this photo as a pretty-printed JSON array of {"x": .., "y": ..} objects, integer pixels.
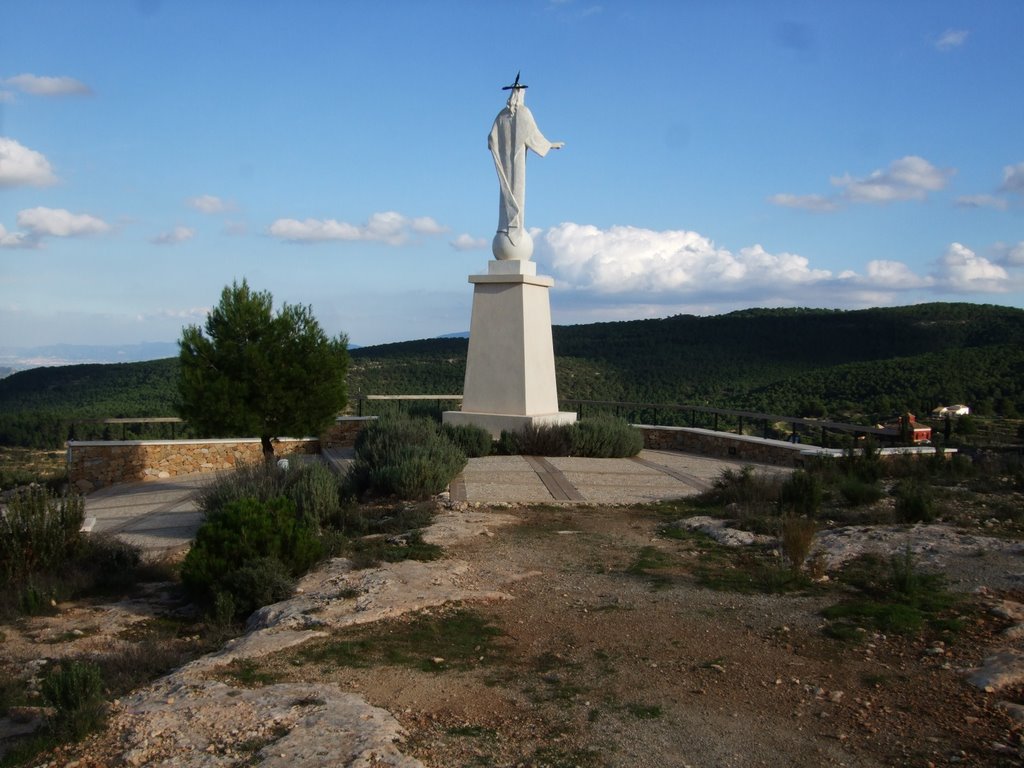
[
  {"x": 474, "y": 441},
  {"x": 261, "y": 481},
  {"x": 316, "y": 492},
  {"x": 75, "y": 691},
  {"x": 538, "y": 440},
  {"x": 104, "y": 564},
  {"x": 34, "y": 600},
  {"x": 914, "y": 503},
  {"x": 371, "y": 551},
  {"x": 246, "y": 534},
  {"x": 508, "y": 444},
  {"x": 39, "y": 533},
  {"x": 801, "y": 494},
  {"x": 260, "y": 582},
  {"x": 893, "y": 596},
  {"x": 605, "y": 438},
  {"x": 421, "y": 473},
  {"x": 864, "y": 464},
  {"x": 409, "y": 458},
  {"x": 858, "y": 492},
  {"x": 746, "y": 490}
]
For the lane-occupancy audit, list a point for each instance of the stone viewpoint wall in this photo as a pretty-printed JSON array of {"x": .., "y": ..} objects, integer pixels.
[
  {"x": 94, "y": 464},
  {"x": 726, "y": 445}
]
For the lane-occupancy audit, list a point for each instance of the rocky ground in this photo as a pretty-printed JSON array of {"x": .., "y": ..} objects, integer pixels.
[{"x": 559, "y": 636}]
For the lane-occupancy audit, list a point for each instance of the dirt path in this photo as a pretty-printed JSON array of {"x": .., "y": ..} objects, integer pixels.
[{"x": 591, "y": 662}]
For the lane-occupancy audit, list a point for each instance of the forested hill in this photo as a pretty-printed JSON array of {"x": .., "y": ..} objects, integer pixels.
[
  {"x": 850, "y": 364},
  {"x": 780, "y": 360}
]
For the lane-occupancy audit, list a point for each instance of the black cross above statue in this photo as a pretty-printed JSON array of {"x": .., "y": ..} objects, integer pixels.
[{"x": 515, "y": 86}]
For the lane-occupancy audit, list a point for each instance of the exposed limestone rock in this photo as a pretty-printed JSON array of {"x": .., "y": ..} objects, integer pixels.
[
  {"x": 720, "y": 532},
  {"x": 189, "y": 720},
  {"x": 298, "y": 725}
]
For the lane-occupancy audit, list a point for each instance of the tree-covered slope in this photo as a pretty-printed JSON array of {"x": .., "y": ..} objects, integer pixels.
[
  {"x": 850, "y": 364},
  {"x": 37, "y": 406}
]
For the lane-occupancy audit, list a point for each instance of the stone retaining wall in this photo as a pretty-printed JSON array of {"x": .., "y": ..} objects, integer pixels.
[{"x": 97, "y": 463}]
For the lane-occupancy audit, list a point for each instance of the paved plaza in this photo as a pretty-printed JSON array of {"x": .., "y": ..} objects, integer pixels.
[{"x": 161, "y": 515}]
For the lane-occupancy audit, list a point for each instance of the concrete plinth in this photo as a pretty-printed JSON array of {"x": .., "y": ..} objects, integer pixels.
[{"x": 510, "y": 367}]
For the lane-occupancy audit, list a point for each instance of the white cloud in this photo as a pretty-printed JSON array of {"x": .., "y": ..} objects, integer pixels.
[
  {"x": 40, "y": 85},
  {"x": 631, "y": 260},
  {"x": 909, "y": 178},
  {"x": 20, "y": 165},
  {"x": 14, "y": 239},
  {"x": 425, "y": 225},
  {"x": 892, "y": 275},
  {"x": 191, "y": 314},
  {"x": 388, "y": 227},
  {"x": 1012, "y": 255},
  {"x": 210, "y": 204},
  {"x": 981, "y": 201},
  {"x": 313, "y": 230},
  {"x": 952, "y": 38},
  {"x": 1013, "y": 179},
  {"x": 466, "y": 242},
  {"x": 641, "y": 271},
  {"x": 177, "y": 235},
  {"x": 962, "y": 270},
  {"x": 817, "y": 203},
  {"x": 57, "y": 222}
]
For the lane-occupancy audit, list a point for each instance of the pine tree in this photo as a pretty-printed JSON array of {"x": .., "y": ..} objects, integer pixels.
[{"x": 259, "y": 373}]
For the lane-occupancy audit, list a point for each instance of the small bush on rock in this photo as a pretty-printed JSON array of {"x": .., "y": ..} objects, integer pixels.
[
  {"x": 797, "y": 539},
  {"x": 746, "y": 491},
  {"x": 75, "y": 691},
  {"x": 261, "y": 582},
  {"x": 247, "y": 535},
  {"x": 914, "y": 503},
  {"x": 801, "y": 494},
  {"x": 39, "y": 532},
  {"x": 857, "y": 492}
]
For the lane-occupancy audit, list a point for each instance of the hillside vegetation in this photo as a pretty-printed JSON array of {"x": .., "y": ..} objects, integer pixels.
[{"x": 850, "y": 365}]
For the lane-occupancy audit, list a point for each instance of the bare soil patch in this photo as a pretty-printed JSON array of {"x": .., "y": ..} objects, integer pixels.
[{"x": 610, "y": 653}]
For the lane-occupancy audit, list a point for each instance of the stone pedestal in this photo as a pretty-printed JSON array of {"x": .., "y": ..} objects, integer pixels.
[{"x": 510, "y": 368}]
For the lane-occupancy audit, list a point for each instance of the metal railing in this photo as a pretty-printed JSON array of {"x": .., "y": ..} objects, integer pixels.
[
  {"x": 800, "y": 429},
  {"x": 361, "y": 400},
  {"x": 706, "y": 417},
  {"x": 124, "y": 422},
  {"x": 696, "y": 416}
]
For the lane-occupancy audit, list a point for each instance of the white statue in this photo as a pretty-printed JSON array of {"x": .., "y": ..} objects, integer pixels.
[{"x": 514, "y": 131}]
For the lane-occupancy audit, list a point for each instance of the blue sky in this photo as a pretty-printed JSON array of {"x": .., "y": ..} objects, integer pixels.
[{"x": 718, "y": 156}]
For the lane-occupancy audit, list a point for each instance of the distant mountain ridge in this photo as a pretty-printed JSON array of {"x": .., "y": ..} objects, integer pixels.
[
  {"x": 23, "y": 358},
  {"x": 852, "y": 365}
]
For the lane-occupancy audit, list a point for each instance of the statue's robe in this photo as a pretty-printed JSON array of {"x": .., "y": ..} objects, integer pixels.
[{"x": 510, "y": 137}]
